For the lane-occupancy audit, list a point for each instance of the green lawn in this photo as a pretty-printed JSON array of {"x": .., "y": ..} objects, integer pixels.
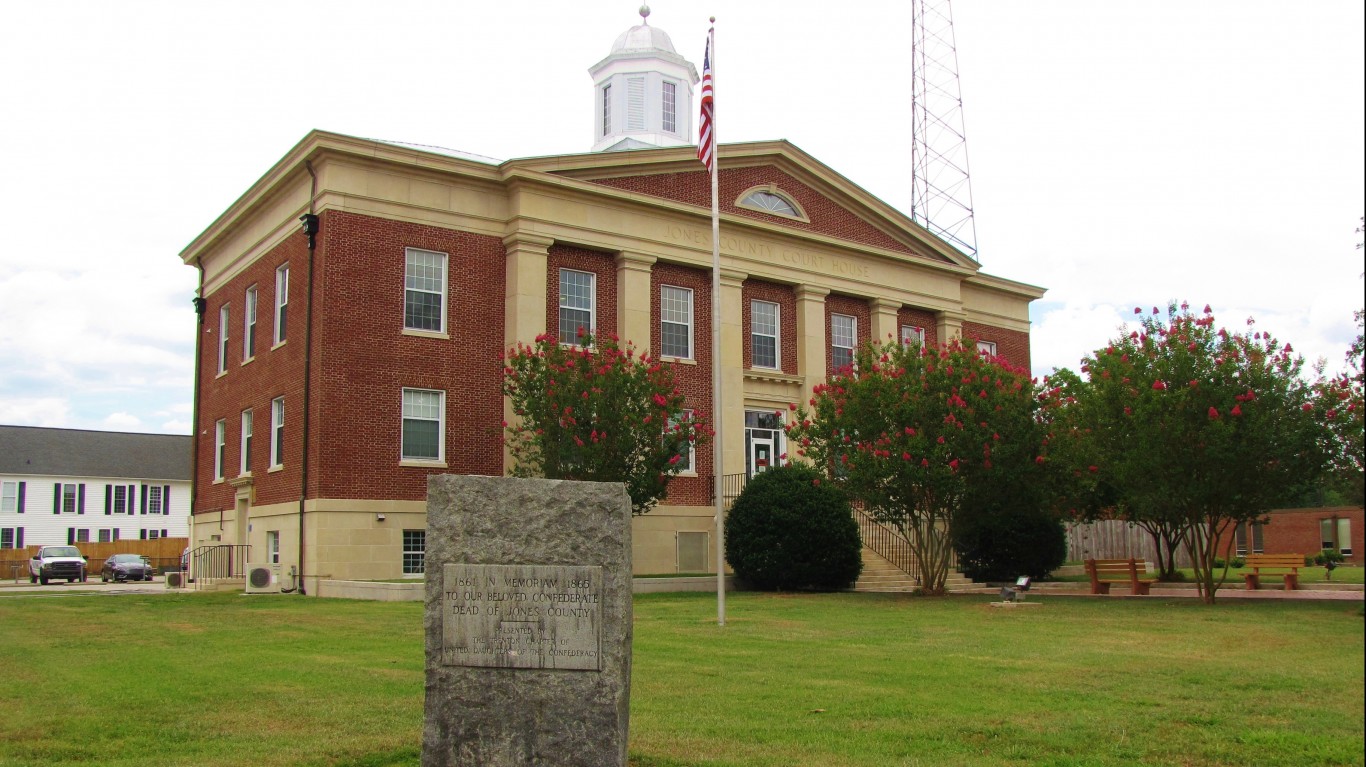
[{"x": 831, "y": 680}]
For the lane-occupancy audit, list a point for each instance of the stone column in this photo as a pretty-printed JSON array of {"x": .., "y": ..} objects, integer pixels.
[
  {"x": 812, "y": 337},
  {"x": 633, "y": 298},
  {"x": 883, "y": 312},
  {"x": 732, "y": 371},
  {"x": 949, "y": 324},
  {"x": 524, "y": 299}
]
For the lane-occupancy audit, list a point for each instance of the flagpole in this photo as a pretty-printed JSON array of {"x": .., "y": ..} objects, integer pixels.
[{"x": 718, "y": 442}]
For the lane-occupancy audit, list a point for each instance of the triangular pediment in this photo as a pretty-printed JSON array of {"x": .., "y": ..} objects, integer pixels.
[{"x": 825, "y": 203}]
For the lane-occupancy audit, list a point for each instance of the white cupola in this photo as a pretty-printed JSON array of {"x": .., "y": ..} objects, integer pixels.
[{"x": 642, "y": 92}]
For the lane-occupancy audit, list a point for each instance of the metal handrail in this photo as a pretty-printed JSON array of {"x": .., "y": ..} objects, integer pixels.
[
  {"x": 216, "y": 561},
  {"x": 732, "y": 485},
  {"x": 885, "y": 541}
]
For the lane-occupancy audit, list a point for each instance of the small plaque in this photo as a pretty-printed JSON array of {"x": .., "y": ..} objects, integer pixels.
[{"x": 522, "y": 616}]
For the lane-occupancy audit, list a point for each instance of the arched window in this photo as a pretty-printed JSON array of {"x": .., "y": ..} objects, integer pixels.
[{"x": 769, "y": 199}]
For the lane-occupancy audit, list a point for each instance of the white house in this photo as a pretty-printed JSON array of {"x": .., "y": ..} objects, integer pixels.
[{"x": 72, "y": 486}]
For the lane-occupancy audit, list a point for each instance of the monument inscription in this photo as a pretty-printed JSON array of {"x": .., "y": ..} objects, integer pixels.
[{"x": 522, "y": 616}]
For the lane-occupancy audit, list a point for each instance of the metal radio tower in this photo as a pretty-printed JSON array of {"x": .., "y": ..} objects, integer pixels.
[{"x": 941, "y": 190}]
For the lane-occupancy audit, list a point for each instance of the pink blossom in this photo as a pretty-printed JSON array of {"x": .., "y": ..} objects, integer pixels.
[
  {"x": 1159, "y": 386},
  {"x": 1213, "y": 413},
  {"x": 1236, "y": 411}
]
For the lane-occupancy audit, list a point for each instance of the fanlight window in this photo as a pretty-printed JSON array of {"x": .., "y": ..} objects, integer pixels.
[{"x": 770, "y": 203}]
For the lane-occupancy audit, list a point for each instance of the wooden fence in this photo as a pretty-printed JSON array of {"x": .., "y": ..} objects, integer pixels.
[
  {"x": 163, "y": 553},
  {"x": 1115, "y": 539}
]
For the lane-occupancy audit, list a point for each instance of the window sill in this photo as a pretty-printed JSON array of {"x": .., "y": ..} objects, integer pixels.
[
  {"x": 416, "y": 464},
  {"x": 677, "y": 360},
  {"x": 426, "y": 334},
  {"x": 275, "y": 468},
  {"x": 221, "y": 373},
  {"x": 692, "y": 473},
  {"x": 767, "y": 374},
  {"x": 277, "y": 345},
  {"x": 249, "y": 360},
  {"x": 217, "y": 481}
]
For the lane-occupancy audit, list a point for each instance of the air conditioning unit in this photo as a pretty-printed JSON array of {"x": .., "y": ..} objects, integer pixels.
[
  {"x": 263, "y": 579},
  {"x": 175, "y": 579}
]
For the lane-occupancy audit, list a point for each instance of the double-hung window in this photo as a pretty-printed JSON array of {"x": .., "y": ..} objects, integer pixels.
[
  {"x": 120, "y": 501},
  {"x": 675, "y": 322},
  {"x": 155, "y": 503},
  {"x": 606, "y": 109},
  {"x": 687, "y": 453},
  {"x": 414, "y": 552},
  {"x": 986, "y": 347},
  {"x": 281, "y": 302},
  {"x": 578, "y": 299},
  {"x": 843, "y": 334},
  {"x": 910, "y": 334},
  {"x": 424, "y": 415},
  {"x": 220, "y": 447},
  {"x": 223, "y": 339},
  {"x": 245, "y": 467},
  {"x": 277, "y": 432},
  {"x": 763, "y": 322},
  {"x": 670, "y": 107},
  {"x": 424, "y": 290},
  {"x": 10, "y": 495},
  {"x": 249, "y": 325},
  {"x": 272, "y": 547}
]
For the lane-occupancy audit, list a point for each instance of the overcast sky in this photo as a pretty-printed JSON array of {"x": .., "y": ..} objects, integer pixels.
[{"x": 1122, "y": 153}]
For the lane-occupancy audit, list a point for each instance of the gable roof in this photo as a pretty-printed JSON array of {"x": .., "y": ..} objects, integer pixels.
[{"x": 33, "y": 450}]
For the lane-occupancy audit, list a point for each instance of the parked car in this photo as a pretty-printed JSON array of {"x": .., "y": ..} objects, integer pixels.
[
  {"x": 125, "y": 567},
  {"x": 52, "y": 562}
]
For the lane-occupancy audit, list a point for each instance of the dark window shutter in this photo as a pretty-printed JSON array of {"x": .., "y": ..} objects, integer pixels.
[
  {"x": 132, "y": 499},
  {"x": 18, "y": 537},
  {"x": 142, "y": 534},
  {"x": 70, "y": 535},
  {"x": 116, "y": 533},
  {"x": 163, "y": 533},
  {"x": 80, "y": 498},
  {"x": 57, "y": 498},
  {"x": 166, "y": 501},
  {"x": 108, "y": 499},
  {"x": 143, "y": 507},
  {"x": 22, "y": 485}
]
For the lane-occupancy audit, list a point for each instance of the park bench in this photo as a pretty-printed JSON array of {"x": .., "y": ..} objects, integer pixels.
[
  {"x": 1104, "y": 572},
  {"x": 1260, "y": 562}
]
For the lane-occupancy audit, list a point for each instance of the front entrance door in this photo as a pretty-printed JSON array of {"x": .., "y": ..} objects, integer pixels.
[
  {"x": 763, "y": 436},
  {"x": 760, "y": 451}
]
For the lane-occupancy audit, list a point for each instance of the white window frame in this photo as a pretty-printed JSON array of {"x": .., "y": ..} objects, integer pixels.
[
  {"x": 224, "y": 316},
  {"x": 664, "y": 320},
  {"x": 249, "y": 324},
  {"x": 607, "y": 109},
  {"x": 669, "y": 106},
  {"x": 443, "y": 263},
  {"x": 272, "y": 547},
  {"x": 592, "y": 309},
  {"x": 407, "y": 414},
  {"x": 244, "y": 462},
  {"x": 414, "y": 556},
  {"x": 9, "y": 496},
  {"x": 71, "y": 503},
  {"x": 154, "y": 504},
  {"x": 220, "y": 438},
  {"x": 277, "y": 433},
  {"x": 986, "y": 347},
  {"x": 776, "y": 335},
  {"x": 281, "y": 303},
  {"x": 912, "y": 333},
  {"x": 1344, "y": 536},
  {"x": 119, "y": 503},
  {"x": 835, "y": 340}
]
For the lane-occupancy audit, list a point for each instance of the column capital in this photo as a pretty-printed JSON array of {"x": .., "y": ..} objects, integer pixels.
[
  {"x": 639, "y": 262},
  {"x": 810, "y": 293},
  {"x": 519, "y": 240},
  {"x": 732, "y": 279},
  {"x": 880, "y": 304}
]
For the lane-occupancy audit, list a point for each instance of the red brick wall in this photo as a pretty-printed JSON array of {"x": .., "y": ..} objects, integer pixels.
[
  {"x": 856, "y": 307},
  {"x": 1011, "y": 345},
  {"x": 782, "y": 295},
  {"x": 271, "y": 373},
  {"x": 601, "y": 264},
  {"x": 826, "y": 216},
  {"x": 362, "y": 360},
  {"x": 922, "y": 318},
  {"x": 1296, "y": 531},
  {"x": 693, "y": 380},
  {"x": 361, "y": 363}
]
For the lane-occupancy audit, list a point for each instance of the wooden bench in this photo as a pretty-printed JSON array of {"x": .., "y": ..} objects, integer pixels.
[
  {"x": 1104, "y": 572},
  {"x": 1260, "y": 562}
]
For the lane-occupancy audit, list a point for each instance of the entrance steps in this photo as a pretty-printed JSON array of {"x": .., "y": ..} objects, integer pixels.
[{"x": 879, "y": 575}]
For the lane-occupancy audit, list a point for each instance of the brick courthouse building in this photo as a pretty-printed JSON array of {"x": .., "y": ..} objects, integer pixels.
[{"x": 343, "y": 361}]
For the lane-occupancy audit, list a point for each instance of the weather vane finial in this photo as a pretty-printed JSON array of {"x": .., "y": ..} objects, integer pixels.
[{"x": 645, "y": 14}]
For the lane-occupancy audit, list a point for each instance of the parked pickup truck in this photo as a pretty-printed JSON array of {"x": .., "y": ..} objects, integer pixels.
[{"x": 53, "y": 562}]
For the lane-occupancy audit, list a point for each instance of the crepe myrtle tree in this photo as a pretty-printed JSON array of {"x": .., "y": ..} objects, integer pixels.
[
  {"x": 595, "y": 411},
  {"x": 1199, "y": 429},
  {"x": 908, "y": 429}
]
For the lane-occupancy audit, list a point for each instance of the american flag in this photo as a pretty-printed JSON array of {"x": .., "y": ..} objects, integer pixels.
[{"x": 706, "y": 138}]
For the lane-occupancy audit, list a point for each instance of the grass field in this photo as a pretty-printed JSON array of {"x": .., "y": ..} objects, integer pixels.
[{"x": 842, "y": 680}]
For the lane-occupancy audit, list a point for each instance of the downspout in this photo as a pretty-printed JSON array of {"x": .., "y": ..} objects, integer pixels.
[
  {"x": 310, "y": 225},
  {"x": 199, "y": 306}
]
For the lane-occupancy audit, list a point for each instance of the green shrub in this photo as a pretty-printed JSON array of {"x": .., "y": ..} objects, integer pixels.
[
  {"x": 995, "y": 544},
  {"x": 1234, "y": 562},
  {"x": 789, "y": 530},
  {"x": 1328, "y": 556}
]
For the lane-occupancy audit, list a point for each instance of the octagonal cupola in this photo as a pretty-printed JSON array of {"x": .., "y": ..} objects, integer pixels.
[{"x": 642, "y": 92}]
